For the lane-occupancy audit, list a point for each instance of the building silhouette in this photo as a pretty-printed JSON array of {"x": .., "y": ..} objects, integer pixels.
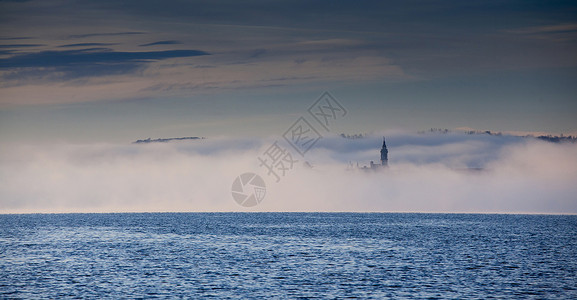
[
  {"x": 384, "y": 154},
  {"x": 384, "y": 159}
]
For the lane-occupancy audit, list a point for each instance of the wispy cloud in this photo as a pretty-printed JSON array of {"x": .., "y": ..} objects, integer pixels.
[
  {"x": 89, "y": 57},
  {"x": 87, "y": 45},
  {"x": 20, "y": 45},
  {"x": 561, "y": 33},
  {"x": 93, "y": 62},
  {"x": 557, "y": 28},
  {"x": 161, "y": 43},
  {"x": 15, "y": 38},
  {"x": 109, "y": 34}
]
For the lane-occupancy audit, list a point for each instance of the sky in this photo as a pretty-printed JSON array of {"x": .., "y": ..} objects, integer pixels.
[
  {"x": 95, "y": 76},
  {"x": 122, "y": 70}
]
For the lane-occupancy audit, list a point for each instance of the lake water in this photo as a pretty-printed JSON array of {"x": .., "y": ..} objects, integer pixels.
[{"x": 288, "y": 255}]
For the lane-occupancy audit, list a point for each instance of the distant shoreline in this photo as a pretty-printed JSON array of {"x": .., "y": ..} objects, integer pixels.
[{"x": 148, "y": 140}]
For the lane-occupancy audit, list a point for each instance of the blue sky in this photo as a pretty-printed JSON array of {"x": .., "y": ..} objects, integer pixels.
[{"x": 121, "y": 71}]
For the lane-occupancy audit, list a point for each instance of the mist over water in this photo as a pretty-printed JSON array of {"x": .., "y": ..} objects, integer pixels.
[{"x": 427, "y": 173}]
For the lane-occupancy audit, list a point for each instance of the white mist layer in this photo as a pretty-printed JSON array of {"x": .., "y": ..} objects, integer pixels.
[{"x": 427, "y": 173}]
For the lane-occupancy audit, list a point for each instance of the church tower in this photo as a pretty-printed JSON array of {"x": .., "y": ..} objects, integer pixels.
[{"x": 384, "y": 154}]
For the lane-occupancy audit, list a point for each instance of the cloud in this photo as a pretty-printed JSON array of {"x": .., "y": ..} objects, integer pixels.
[
  {"x": 258, "y": 52},
  {"x": 72, "y": 64},
  {"x": 564, "y": 33},
  {"x": 86, "y": 45},
  {"x": 68, "y": 73},
  {"x": 109, "y": 34},
  {"x": 20, "y": 45},
  {"x": 520, "y": 175},
  {"x": 91, "y": 56},
  {"x": 14, "y": 38},
  {"x": 161, "y": 43},
  {"x": 322, "y": 43},
  {"x": 557, "y": 28}
]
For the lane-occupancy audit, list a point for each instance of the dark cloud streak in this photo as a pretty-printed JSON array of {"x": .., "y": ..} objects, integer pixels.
[
  {"x": 79, "y": 36},
  {"x": 21, "y": 45},
  {"x": 161, "y": 43},
  {"x": 86, "y": 45},
  {"x": 73, "y": 64},
  {"x": 88, "y": 57},
  {"x": 14, "y": 38}
]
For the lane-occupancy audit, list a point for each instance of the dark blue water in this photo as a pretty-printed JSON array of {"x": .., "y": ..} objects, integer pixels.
[{"x": 288, "y": 255}]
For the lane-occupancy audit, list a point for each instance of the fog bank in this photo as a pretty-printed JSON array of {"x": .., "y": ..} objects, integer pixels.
[{"x": 427, "y": 173}]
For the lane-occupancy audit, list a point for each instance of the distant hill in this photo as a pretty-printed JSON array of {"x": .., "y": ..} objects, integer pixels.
[
  {"x": 557, "y": 139},
  {"x": 549, "y": 138},
  {"x": 353, "y": 136},
  {"x": 148, "y": 140}
]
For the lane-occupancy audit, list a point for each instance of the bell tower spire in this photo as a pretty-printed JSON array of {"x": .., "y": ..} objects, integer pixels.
[{"x": 384, "y": 154}]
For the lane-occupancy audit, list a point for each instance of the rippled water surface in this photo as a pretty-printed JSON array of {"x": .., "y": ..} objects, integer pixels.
[{"x": 288, "y": 255}]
